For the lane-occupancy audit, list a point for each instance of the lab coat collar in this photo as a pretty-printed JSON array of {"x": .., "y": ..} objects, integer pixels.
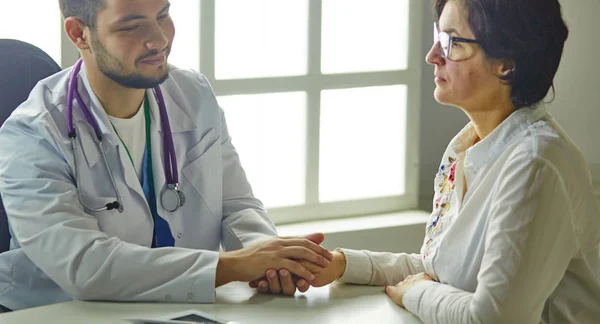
[
  {"x": 110, "y": 139},
  {"x": 179, "y": 120}
]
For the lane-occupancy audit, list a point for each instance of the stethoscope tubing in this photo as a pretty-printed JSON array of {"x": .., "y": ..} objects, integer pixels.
[{"x": 170, "y": 160}]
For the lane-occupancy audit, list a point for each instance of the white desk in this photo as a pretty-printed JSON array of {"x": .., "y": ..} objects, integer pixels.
[{"x": 336, "y": 303}]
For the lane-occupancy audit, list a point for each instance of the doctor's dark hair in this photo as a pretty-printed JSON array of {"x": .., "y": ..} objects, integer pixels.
[
  {"x": 528, "y": 34},
  {"x": 85, "y": 10}
]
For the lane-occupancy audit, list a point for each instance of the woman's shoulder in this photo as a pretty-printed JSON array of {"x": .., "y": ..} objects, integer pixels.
[
  {"x": 544, "y": 144},
  {"x": 544, "y": 149},
  {"x": 546, "y": 140}
]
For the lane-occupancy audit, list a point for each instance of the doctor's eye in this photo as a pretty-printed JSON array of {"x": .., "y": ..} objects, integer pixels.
[
  {"x": 164, "y": 16},
  {"x": 129, "y": 28}
]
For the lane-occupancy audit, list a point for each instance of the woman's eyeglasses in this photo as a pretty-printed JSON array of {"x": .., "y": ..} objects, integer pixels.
[{"x": 451, "y": 47}]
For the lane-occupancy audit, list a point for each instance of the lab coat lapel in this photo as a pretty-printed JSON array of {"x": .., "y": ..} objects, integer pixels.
[
  {"x": 158, "y": 162},
  {"x": 111, "y": 141},
  {"x": 179, "y": 120},
  {"x": 85, "y": 131}
]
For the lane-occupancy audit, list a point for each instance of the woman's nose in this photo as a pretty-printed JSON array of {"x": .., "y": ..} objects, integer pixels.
[{"x": 434, "y": 57}]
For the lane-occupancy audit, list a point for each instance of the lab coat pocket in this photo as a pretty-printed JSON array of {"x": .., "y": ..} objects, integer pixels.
[
  {"x": 204, "y": 174},
  {"x": 207, "y": 141},
  {"x": 94, "y": 201},
  {"x": 116, "y": 224}
]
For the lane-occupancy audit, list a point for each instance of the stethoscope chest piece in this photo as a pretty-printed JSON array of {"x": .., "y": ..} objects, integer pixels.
[{"x": 172, "y": 198}]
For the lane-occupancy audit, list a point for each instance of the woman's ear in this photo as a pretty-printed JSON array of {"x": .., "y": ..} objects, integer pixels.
[{"x": 504, "y": 68}]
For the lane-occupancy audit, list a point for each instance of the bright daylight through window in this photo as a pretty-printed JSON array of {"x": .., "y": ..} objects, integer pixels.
[{"x": 320, "y": 96}]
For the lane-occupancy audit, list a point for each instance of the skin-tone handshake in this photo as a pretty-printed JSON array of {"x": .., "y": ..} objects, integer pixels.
[
  {"x": 294, "y": 263},
  {"x": 282, "y": 265}
]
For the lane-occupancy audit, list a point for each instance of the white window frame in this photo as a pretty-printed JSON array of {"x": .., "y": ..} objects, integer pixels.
[{"x": 312, "y": 84}]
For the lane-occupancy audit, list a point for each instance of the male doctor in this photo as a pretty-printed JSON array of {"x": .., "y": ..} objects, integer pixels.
[{"x": 131, "y": 200}]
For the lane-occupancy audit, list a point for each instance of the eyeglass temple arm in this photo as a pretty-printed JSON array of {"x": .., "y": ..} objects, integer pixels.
[{"x": 464, "y": 40}]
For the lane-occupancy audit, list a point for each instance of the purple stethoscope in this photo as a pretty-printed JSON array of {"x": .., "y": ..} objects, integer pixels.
[{"x": 171, "y": 197}]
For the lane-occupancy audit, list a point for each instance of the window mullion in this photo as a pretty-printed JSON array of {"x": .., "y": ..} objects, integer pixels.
[
  {"x": 313, "y": 102},
  {"x": 207, "y": 38},
  {"x": 413, "y": 107}
]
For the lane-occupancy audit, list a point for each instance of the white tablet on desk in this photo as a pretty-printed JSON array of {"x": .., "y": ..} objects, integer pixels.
[{"x": 186, "y": 317}]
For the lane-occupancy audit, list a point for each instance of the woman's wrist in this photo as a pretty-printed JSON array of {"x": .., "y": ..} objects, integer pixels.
[{"x": 339, "y": 261}]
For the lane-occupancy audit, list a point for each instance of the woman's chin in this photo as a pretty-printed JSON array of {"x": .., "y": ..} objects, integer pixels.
[{"x": 440, "y": 96}]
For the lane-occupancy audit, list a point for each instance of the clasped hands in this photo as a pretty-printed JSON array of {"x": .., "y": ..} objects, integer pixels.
[
  {"x": 318, "y": 269},
  {"x": 311, "y": 271}
]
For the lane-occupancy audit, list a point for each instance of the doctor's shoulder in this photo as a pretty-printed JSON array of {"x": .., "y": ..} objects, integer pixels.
[
  {"x": 192, "y": 91},
  {"x": 44, "y": 106},
  {"x": 187, "y": 79},
  {"x": 34, "y": 137}
]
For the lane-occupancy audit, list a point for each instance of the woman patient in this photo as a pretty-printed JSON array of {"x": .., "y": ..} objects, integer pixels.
[{"x": 515, "y": 231}]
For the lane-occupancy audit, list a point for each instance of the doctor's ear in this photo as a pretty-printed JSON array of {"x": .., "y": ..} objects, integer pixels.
[{"x": 78, "y": 33}]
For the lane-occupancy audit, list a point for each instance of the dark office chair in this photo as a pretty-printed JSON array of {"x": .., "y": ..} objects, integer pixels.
[{"x": 22, "y": 65}]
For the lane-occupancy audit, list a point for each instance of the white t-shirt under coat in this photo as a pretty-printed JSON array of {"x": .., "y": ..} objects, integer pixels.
[{"x": 132, "y": 131}]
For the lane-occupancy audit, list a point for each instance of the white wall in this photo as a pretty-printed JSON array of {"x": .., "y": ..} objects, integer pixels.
[
  {"x": 577, "y": 103},
  {"x": 576, "y": 107},
  {"x": 398, "y": 232}
]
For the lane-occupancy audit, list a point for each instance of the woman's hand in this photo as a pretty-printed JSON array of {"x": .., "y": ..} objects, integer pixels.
[
  {"x": 397, "y": 292},
  {"x": 328, "y": 274}
]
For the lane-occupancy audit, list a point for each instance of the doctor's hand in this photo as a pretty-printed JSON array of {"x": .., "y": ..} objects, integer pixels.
[
  {"x": 396, "y": 293},
  {"x": 252, "y": 263},
  {"x": 282, "y": 281}
]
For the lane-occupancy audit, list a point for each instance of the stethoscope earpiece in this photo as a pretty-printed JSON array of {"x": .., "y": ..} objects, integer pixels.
[{"x": 113, "y": 205}]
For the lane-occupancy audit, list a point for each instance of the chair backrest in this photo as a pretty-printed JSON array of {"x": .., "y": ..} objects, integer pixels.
[{"x": 22, "y": 65}]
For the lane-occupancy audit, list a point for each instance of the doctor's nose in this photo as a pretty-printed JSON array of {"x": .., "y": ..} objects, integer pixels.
[{"x": 158, "y": 39}]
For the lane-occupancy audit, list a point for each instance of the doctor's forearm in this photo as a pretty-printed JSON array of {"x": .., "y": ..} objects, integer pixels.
[{"x": 226, "y": 269}]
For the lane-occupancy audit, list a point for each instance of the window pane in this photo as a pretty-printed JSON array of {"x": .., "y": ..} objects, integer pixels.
[
  {"x": 35, "y": 22},
  {"x": 261, "y": 38},
  {"x": 185, "y": 53},
  {"x": 362, "y": 152},
  {"x": 269, "y": 133},
  {"x": 364, "y": 35}
]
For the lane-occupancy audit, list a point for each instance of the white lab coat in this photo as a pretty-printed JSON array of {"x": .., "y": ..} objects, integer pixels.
[{"x": 60, "y": 250}]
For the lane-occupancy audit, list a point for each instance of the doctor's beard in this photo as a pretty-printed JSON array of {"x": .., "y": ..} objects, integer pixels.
[{"x": 111, "y": 67}]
